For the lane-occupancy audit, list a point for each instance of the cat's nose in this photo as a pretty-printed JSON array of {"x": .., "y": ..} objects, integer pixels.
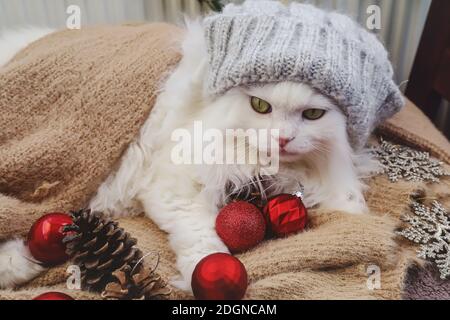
[{"x": 284, "y": 141}]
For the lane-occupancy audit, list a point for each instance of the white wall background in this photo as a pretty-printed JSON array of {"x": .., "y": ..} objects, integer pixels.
[{"x": 402, "y": 20}]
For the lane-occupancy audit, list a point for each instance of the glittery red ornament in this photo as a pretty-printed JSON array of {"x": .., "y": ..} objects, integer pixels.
[
  {"x": 45, "y": 238},
  {"x": 285, "y": 214},
  {"x": 241, "y": 226},
  {"x": 219, "y": 276},
  {"x": 53, "y": 296}
]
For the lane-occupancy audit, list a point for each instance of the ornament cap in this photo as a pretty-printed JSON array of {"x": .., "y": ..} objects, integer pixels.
[{"x": 298, "y": 194}]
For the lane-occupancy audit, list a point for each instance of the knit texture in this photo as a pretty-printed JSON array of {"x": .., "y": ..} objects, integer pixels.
[
  {"x": 266, "y": 41},
  {"x": 70, "y": 105},
  {"x": 73, "y": 101},
  {"x": 328, "y": 261},
  {"x": 413, "y": 128}
]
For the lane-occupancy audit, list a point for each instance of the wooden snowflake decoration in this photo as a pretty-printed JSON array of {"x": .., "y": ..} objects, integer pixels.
[
  {"x": 430, "y": 227},
  {"x": 401, "y": 162}
]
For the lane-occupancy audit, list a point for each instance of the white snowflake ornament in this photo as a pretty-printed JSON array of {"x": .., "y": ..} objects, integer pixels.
[
  {"x": 401, "y": 162},
  {"x": 430, "y": 227}
]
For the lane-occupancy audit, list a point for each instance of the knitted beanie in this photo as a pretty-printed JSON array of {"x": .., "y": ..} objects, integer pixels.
[{"x": 266, "y": 41}]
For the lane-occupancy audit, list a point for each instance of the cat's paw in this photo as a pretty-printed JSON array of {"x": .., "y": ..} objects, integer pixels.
[
  {"x": 188, "y": 260},
  {"x": 16, "y": 264},
  {"x": 181, "y": 283},
  {"x": 352, "y": 207},
  {"x": 344, "y": 204},
  {"x": 186, "y": 266}
]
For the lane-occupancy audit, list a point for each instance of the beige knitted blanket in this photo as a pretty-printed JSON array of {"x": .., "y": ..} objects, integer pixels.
[{"x": 72, "y": 102}]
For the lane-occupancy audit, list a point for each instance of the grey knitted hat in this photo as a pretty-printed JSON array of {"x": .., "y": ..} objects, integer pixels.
[{"x": 266, "y": 41}]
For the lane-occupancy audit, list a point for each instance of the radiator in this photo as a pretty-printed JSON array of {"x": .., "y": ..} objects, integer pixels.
[{"x": 402, "y": 20}]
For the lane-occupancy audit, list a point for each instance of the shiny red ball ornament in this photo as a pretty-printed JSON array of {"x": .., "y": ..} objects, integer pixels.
[
  {"x": 219, "y": 276},
  {"x": 241, "y": 226},
  {"x": 285, "y": 214},
  {"x": 45, "y": 238},
  {"x": 53, "y": 296}
]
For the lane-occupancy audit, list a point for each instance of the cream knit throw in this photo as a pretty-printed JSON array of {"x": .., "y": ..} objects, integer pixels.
[
  {"x": 72, "y": 102},
  {"x": 70, "y": 105}
]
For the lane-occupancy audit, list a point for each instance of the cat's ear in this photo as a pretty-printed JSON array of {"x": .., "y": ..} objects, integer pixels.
[
  {"x": 194, "y": 44},
  {"x": 195, "y": 54},
  {"x": 199, "y": 74}
]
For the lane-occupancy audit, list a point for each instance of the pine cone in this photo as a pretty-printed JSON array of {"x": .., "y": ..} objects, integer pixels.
[
  {"x": 99, "y": 247},
  {"x": 138, "y": 284}
]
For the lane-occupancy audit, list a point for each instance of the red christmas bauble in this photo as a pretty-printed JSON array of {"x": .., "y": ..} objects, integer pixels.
[
  {"x": 285, "y": 214},
  {"x": 45, "y": 238},
  {"x": 53, "y": 296},
  {"x": 219, "y": 276},
  {"x": 241, "y": 226}
]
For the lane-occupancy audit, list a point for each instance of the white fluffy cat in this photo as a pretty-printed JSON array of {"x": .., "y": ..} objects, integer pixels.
[{"x": 183, "y": 200}]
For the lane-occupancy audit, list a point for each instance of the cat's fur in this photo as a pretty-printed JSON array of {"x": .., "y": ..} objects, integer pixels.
[
  {"x": 183, "y": 200},
  {"x": 16, "y": 263}
]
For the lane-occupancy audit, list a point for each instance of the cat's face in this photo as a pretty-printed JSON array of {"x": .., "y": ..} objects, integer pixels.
[{"x": 308, "y": 122}]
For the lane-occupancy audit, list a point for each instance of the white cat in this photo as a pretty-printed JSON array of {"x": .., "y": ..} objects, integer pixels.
[{"x": 183, "y": 200}]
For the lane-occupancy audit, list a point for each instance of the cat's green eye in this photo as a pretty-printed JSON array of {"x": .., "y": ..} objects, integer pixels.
[
  {"x": 260, "y": 105},
  {"x": 313, "y": 114}
]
